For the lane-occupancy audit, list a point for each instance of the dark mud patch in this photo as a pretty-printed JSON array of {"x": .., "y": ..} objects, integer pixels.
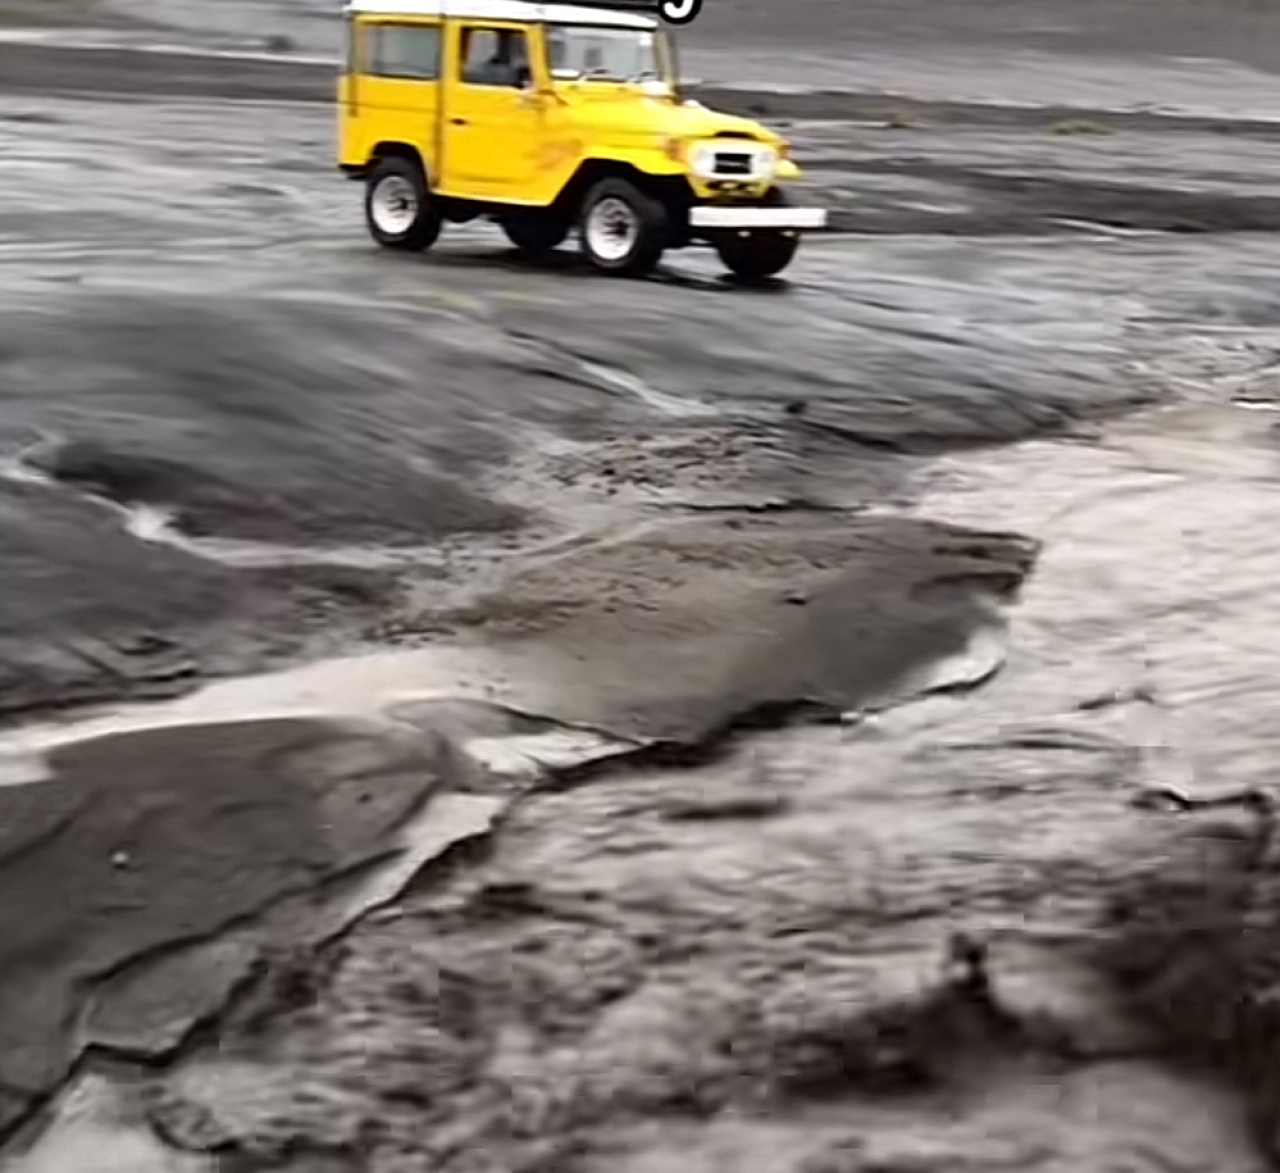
[
  {"x": 235, "y": 423},
  {"x": 31, "y": 118},
  {"x": 903, "y": 112},
  {"x": 884, "y": 354},
  {"x": 1010, "y": 203},
  {"x": 48, "y": 69},
  {"x": 141, "y": 848}
]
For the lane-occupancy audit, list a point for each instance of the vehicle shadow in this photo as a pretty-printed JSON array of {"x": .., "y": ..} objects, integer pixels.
[{"x": 565, "y": 262}]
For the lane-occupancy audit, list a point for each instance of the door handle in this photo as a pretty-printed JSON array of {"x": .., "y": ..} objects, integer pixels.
[{"x": 458, "y": 121}]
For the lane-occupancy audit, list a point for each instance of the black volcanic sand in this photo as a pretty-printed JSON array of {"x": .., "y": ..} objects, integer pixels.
[
  {"x": 139, "y": 844},
  {"x": 145, "y": 842},
  {"x": 194, "y": 324},
  {"x": 1241, "y": 30},
  {"x": 231, "y": 354},
  {"x": 91, "y": 614}
]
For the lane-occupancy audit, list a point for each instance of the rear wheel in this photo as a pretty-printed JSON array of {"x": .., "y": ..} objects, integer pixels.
[
  {"x": 623, "y": 230},
  {"x": 758, "y": 253},
  {"x": 535, "y": 234},
  {"x": 399, "y": 210}
]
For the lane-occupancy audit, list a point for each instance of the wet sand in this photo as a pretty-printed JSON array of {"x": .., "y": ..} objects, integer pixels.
[
  {"x": 1103, "y": 54},
  {"x": 984, "y": 485},
  {"x": 134, "y": 848}
]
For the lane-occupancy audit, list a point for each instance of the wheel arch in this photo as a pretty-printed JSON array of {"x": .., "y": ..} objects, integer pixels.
[
  {"x": 673, "y": 191},
  {"x": 392, "y": 149}
]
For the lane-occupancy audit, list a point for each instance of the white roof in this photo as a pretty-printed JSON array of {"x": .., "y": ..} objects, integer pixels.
[{"x": 523, "y": 11}]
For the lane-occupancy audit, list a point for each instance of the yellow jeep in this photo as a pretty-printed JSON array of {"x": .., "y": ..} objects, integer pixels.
[{"x": 546, "y": 118}]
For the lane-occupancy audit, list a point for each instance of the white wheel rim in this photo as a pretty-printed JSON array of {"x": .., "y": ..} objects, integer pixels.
[
  {"x": 394, "y": 205},
  {"x": 612, "y": 228}
]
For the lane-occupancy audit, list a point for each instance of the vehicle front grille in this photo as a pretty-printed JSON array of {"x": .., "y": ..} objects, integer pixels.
[{"x": 733, "y": 163}]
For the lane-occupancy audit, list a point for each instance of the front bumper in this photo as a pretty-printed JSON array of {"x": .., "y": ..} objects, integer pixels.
[{"x": 712, "y": 216}]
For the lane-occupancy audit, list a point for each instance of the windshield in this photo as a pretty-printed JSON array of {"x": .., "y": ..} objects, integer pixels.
[{"x": 604, "y": 54}]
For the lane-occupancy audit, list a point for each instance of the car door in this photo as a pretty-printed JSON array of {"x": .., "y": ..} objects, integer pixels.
[
  {"x": 394, "y": 93},
  {"x": 493, "y": 117}
]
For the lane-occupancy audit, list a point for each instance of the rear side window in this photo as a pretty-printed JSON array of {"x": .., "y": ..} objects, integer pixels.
[
  {"x": 409, "y": 51},
  {"x": 349, "y": 62}
]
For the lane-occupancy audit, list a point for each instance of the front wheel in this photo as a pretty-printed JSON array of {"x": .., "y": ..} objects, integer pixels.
[
  {"x": 398, "y": 208},
  {"x": 757, "y": 254},
  {"x": 623, "y": 231}
]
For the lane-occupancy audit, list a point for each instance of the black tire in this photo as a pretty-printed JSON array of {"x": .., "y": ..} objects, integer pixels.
[
  {"x": 756, "y": 255},
  {"x": 762, "y": 253},
  {"x": 646, "y": 236},
  {"x": 535, "y": 234},
  {"x": 417, "y": 226}
]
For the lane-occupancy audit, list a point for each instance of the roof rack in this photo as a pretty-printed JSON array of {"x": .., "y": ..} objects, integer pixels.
[
  {"x": 644, "y": 7},
  {"x": 624, "y": 13},
  {"x": 672, "y": 11}
]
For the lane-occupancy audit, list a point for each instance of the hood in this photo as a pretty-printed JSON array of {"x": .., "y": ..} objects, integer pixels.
[{"x": 625, "y": 115}]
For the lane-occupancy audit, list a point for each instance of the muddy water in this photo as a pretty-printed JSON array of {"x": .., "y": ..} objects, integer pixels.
[
  {"x": 741, "y": 964},
  {"x": 690, "y": 960},
  {"x": 1156, "y": 575}
]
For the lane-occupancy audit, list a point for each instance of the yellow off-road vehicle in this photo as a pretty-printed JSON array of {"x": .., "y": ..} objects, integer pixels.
[{"x": 546, "y": 118}]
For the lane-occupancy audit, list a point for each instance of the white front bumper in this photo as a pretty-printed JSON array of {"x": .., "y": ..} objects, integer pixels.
[{"x": 708, "y": 216}]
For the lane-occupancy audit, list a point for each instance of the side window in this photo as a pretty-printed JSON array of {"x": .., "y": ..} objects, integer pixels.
[
  {"x": 495, "y": 57},
  {"x": 409, "y": 51},
  {"x": 349, "y": 56}
]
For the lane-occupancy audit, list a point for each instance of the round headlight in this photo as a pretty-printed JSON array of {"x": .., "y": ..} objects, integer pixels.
[
  {"x": 766, "y": 162},
  {"x": 704, "y": 161}
]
